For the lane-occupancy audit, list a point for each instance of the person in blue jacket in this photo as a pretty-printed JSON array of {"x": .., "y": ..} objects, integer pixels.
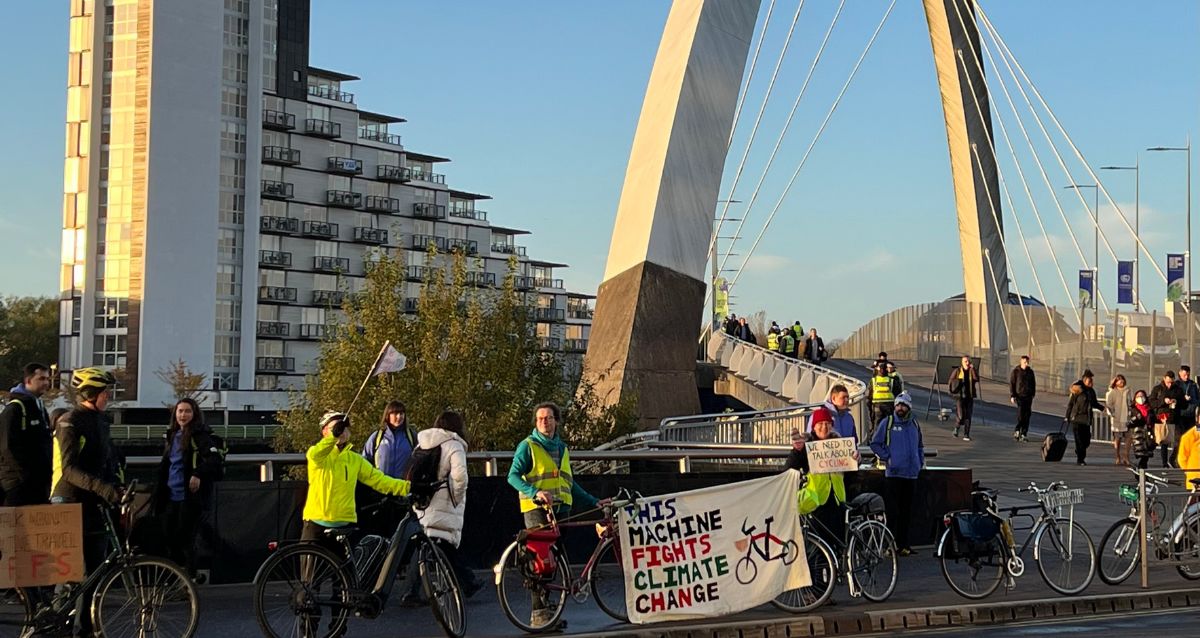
[
  {"x": 839, "y": 406},
  {"x": 897, "y": 442}
]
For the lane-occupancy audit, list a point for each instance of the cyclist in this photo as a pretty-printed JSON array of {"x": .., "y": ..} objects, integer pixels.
[
  {"x": 823, "y": 494},
  {"x": 541, "y": 471},
  {"x": 334, "y": 469},
  {"x": 85, "y": 468}
]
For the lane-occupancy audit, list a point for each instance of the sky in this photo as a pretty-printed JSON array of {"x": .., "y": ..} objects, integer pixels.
[{"x": 536, "y": 103}]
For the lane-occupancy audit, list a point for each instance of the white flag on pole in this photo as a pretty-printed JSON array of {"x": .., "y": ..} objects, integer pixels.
[{"x": 389, "y": 361}]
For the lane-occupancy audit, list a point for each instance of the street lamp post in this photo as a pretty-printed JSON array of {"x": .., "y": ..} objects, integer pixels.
[
  {"x": 1095, "y": 255},
  {"x": 1187, "y": 148},
  {"x": 1137, "y": 204}
]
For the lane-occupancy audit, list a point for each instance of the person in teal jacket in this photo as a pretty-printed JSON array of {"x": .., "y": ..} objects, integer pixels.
[{"x": 544, "y": 435}]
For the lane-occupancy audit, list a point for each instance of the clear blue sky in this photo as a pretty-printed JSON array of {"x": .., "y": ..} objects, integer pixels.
[{"x": 536, "y": 102}]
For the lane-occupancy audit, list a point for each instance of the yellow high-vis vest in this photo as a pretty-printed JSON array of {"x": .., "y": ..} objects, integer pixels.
[
  {"x": 881, "y": 389},
  {"x": 545, "y": 476}
]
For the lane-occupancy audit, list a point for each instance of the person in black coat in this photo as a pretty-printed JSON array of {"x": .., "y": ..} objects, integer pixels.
[
  {"x": 26, "y": 442},
  {"x": 1022, "y": 387},
  {"x": 964, "y": 387},
  {"x": 192, "y": 462},
  {"x": 814, "y": 348},
  {"x": 1079, "y": 413},
  {"x": 1169, "y": 396}
]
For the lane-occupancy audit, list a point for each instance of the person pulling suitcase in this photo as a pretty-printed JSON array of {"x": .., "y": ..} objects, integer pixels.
[{"x": 1079, "y": 414}]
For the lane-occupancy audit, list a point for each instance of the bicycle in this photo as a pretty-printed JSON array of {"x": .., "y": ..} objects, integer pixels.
[
  {"x": 1120, "y": 548},
  {"x": 983, "y": 541},
  {"x": 132, "y": 594},
  {"x": 534, "y": 566},
  {"x": 303, "y": 581},
  {"x": 866, "y": 557},
  {"x": 761, "y": 544}
]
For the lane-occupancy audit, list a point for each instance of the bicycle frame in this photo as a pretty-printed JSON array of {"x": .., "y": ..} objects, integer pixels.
[{"x": 841, "y": 546}]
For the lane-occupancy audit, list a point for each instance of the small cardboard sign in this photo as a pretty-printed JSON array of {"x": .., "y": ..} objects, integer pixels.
[
  {"x": 41, "y": 545},
  {"x": 827, "y": 456}
]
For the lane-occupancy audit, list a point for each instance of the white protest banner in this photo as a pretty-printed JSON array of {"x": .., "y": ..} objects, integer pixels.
[
  {"x": 41, "y": 545},
  {"x": 826, "y": 456},
  {"x": 712, "y": 551}
]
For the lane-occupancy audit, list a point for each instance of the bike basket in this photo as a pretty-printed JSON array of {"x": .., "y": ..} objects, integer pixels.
[
  {"x": 1128, "y": 494},
  {"x": 1062, "y": 498}
]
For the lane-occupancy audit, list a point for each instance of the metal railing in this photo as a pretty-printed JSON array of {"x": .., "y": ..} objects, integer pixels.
[{"x": 256, "y": 432}]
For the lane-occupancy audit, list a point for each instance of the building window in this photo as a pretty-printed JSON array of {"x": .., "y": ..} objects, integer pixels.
[
  {"x": 109, "y": 350},
  {"x": 226, "y": 352},
  {"x": 111, "y": 313}
]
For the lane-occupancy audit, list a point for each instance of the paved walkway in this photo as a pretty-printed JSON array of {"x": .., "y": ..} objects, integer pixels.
[{"x": 920, "y": 373}]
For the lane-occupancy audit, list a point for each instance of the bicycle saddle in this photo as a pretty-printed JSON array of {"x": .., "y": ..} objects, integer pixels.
[
  {"x": 340, "y": 534},
  {"x": 867, "y": 503}
]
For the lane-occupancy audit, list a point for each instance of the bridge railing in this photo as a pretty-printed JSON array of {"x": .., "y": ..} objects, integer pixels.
[{"x": 254, "y": 432}]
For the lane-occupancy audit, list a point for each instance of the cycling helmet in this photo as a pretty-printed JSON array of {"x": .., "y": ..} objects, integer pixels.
[
  {"x": 90, "y": 382},
  {"x": 331, "y": 415}
]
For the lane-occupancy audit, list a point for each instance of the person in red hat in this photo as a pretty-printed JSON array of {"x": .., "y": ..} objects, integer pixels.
[{"x": 823, "y": 494}]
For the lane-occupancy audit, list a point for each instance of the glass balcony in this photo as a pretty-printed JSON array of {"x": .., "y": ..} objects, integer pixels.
[
  {"x": 332, "y": 264},
  {"x": 432, "y": 178},
  {"x": 389, "y": 173},
  {"x": 469, "y": 246},
  {"x": 273, "y": 329},
  {"x": 549, "y": 314},
  {"x": 344, "y": 165},
  {"x": 278, "y": 120},
  {"x": 523, "y": 283},
  {"x": 580, "y": 312},
  {"x": 422, "y": 242},
  {"x": 277, "y": 294},
  {"x": 330, "y": 93},
  {"x": 328, "y": 297},
  {"x": 322, "y": 128},
  {"x": 481, "y": 279},
  {"x": 278, "y": 225},
  {"x": 426, "y": 210},
  {"x": 313, "y": 330},
  {"x": 544, "y": 282},
  {"x": 370, "y": 235},
  {"x": 473, "y": 213},
  {"x": 275, "y": 364},
  {"x": 274, "y": 259},
  {"x": 410, "y": 304},
  {"x": 281, "y": 155},
  {"x": 323, "y": 230},
  {"x": 365, "y": 133},
  {"x": 575, "y": 345},
  {"x": 417, "y": 273},
  {"x": 276, "y": 190},
  {"x": 379, "y": 204},
  {"x": 343, "y": 199},
  {"x": 550, "y": 343},
  {"x": 508, "y": 249}
]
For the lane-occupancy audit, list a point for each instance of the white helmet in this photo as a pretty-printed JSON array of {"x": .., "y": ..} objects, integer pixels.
[{"x": 330, "y": 416}]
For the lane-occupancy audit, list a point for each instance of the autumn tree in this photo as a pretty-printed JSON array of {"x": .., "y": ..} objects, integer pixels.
[
  {"x": 28, "y": 333},
  {"x": 185, "y": 383}
]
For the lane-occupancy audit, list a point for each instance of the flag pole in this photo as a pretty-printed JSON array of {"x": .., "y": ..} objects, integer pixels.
[{"x": 370, "y": 373}]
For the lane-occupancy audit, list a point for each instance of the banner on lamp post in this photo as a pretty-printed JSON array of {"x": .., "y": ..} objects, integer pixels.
[
  {"x": 1087, "y": 288},
  {"x": 721, "y": 290},
  {"x": 1175, "y": 277},
  {"x": 1125, "y": 282}
]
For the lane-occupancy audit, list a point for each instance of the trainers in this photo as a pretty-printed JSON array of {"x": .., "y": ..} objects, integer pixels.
[
  {"x": 966, "y": 438},
  {"x": 1024, "y": 438},
  {"x": 1016, "y": 436}
]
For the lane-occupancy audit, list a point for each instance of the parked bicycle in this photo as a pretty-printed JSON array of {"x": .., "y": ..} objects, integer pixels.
[
  {"x": 865, "y": 557},
  {"x": 1179, "y": 542},
  {"x": 305, "y": 589},
  {"x": 978, "y": 550},
  {"x": 534, "y": 568},
  {"x": 131, "y": 594}
]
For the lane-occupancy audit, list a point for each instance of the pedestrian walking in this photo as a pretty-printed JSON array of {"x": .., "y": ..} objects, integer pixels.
[
  {"x": 1191, "y": 397},
  {"x": 1116, "y": 404},
  {"x": 743, "y": 331},
  {"x": 731, "y": 325},
  {"x": 814, "y": 348},
  {"x": 773, "y": 340},
  {"x": 883, "y": 396},
  {"x": 1141, "y": 430},
  {"x": 897, "y": 442},
  {"x": 964, "y": 387},
  {"x": 788, "y": 344},
  {"x": 26, "y": 441},
  {"x": 1168, "y": 396},
  {"x": 1079, "y": 414},
  {"x": 1022, "y": 388},
  {"x": 898, "y": 381},
  {"x": 443, "y": 518}
]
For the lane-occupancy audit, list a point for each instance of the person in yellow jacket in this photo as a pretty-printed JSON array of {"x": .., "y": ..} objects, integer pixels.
[
  {"x": 822, "y": 494},
  {"x": 1189, "y": 454},
  {"x": 334, "y": 469}
]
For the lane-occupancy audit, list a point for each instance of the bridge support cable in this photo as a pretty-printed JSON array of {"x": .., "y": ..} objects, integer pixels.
[
  {"x": 787, "y": 123},
  {"x": 737, "y": 111},
  {"x": 825, "y": 123},
  {"x": 737, "y": 175},
  {"x": 1007, "y": 54}
]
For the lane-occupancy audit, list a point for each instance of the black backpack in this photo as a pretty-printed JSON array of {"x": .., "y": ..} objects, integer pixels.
[{"x": 422, "y": 475}]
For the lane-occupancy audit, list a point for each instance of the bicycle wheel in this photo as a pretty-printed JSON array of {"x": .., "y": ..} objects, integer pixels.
[
  {"x": 16, "y": 607},
  {"x": 1066, "y": 556},
  {"x": 442, "y": 590},
  {"x": 822, "y": 568},
  {"x": 297, "y": 588},
  {"x": 533, "y": 602},
  {"x": 872, "y": 560},
  {"x": 146, "y": 597},
  {"x": 1187, "y": 550},
  {"x": 746, "y": 570},
  {"x": 975, "y": 576},
  {"x": 608, "y": 581},
  {"x": 1119, "y": 551}
]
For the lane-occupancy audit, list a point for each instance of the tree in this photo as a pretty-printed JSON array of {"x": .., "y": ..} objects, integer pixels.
[
  {"x": 28, "y": 333},
  {"x": 470, "y": 350},
  {"x": 185, "y": 384}
]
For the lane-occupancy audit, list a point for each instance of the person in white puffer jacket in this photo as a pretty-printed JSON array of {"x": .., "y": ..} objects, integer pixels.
[{"x": 443, "y": 518}]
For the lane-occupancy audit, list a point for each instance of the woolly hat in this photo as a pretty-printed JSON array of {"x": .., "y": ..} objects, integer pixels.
[{"x": 822, "y": 414}]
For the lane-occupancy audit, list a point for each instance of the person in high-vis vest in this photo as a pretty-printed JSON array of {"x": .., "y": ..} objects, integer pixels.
[
  {"x": 773, "y": 341},
  {"x": 787, "y": 344},
  {"x": 541, "y": 473},
  {"x": 883, "y": 394},
  {"x": 823, "y": 494}
]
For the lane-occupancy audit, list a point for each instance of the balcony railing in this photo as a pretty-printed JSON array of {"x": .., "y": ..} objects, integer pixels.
[
  {"x": 343, "y": 199},
  {"x": 508, "y": 249},
  {"x": 370, "y": 235},
  {"x": 313, "y": 330},
  {"x": 365, "y": 133},
  {"x": 575, "y": 345},
  {"x": 549, "y": 314},
  {"x": 433, "y": 178},
  {"x": 546, "y": 282},
  {"x": 322, "y": 128},
  {"x": 580, "y": 313},
  {"x": 277, "y": 294},
  {"x": 325, "y": 230},
  {"x": 276, "y": 190},
  {"x": 278, "y": 120},
  {"x": 330, "y": 93},
  {"x": 275, "y": 364},
  {"x": 410, "y": 304},
  {"x": 344, "y": 165},
  {"x": 474, "y": 213},
  {"x": 550, "y": 343},
  {"x": 274, "y": 258},
  {"x": 481, "y": 279},
  {"x": 426, "y": 210},
  {"x": 469, "y": 246},
  {"x": 281, "y": 155},
  {"x": 390, "y": 173},
  {"x": 331, "y": 264},
  {"x": 417, "y": 273},
  {"x": 421, "y": 242},
  {"x": 328, "y": 297},
  {"x": 380, "y": 204},
  {"x": 273, "y": 329},
  {"x": 285, "y": 225},
  {"x": 523, "y": 283}
]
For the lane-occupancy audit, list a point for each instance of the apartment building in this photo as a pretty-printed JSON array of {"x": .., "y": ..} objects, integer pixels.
[{"x": 222, "y": 194}]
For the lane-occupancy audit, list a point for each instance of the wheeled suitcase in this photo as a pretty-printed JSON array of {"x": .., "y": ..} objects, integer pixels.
[{"x": 1054, "y": 446}]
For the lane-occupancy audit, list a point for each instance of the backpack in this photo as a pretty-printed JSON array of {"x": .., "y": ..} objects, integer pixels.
[{"x": 422, "y": 475}]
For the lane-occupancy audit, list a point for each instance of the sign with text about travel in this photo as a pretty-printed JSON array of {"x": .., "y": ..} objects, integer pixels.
[
  {"x": 713, "y": 551},
  {"x": 828, "y": 456},
  {"x": 41, "y": 545}
]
